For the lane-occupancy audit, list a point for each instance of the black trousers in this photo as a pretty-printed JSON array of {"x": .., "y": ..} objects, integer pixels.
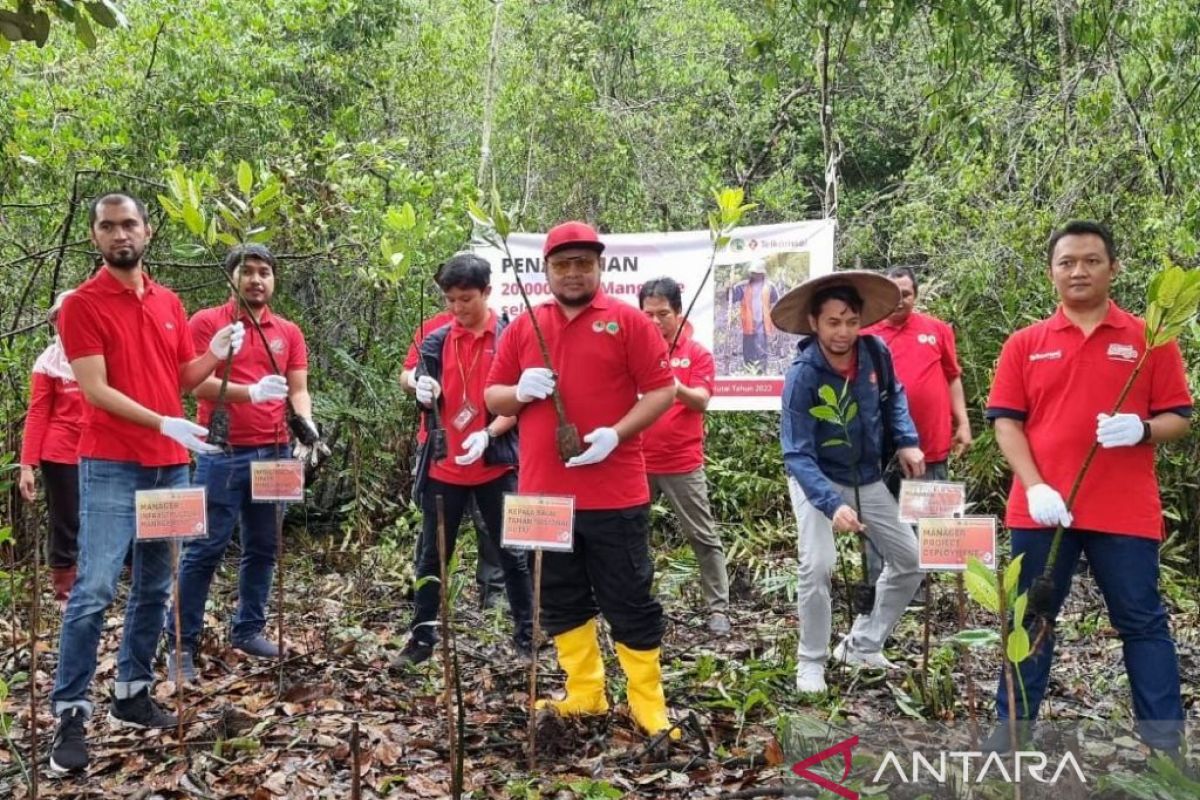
[
  {"x": 490, "y": 499},
  {"x": 608, "y": 572},
  {"x": 62, "y": 501}
]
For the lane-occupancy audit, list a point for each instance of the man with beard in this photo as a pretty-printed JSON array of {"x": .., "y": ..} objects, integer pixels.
[
  {"x": 613, "y": 380},
  {"x": 127, "y": 341},
  {"x": 258, "y": 431},
  {"x": 674, "y": 445},
  {"x": 835, "y": 474}
]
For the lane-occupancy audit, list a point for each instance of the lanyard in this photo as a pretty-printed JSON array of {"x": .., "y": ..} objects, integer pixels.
[{"x": 471, "y": 369}]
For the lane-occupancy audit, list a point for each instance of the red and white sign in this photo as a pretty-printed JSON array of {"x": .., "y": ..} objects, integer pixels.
[
  {"x": 280, "y": 480},
  {"x": 920, "y": 499},
  {"x": 164, "y": 514},
  {"x": 538, "y": 522},
  {"x": 946, "y": 543}
]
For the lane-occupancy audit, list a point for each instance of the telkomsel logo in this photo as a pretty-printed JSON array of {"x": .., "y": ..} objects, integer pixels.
[{"x": 845, "y": 750}]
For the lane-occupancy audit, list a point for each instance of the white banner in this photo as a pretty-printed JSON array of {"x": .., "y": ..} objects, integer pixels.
[{"x": 731, "y": 316}]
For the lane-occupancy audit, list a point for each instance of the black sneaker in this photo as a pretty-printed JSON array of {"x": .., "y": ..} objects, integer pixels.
[
  {"x": 413, "y": 653},
  {"x": 140, "y": 712},
  {"x": 68, "y": 753}
]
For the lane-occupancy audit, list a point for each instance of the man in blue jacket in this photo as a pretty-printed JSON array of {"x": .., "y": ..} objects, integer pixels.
[{"x": 826, "y": 461}]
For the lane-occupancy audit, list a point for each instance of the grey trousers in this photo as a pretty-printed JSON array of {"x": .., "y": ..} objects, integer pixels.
[
  {"x": 688, "y": 495},
  {"x": 818, "y": 554},
  {"x": 936, "y": 471}
]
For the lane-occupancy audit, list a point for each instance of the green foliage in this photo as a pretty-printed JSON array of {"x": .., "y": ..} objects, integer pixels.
[
  {"x": 1171, "y": 301},
  {"x": 30, "y": 21}
]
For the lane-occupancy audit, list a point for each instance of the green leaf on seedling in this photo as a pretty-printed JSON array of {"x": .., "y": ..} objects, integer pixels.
[
  {"x": 835, "y": 443},
  {"x": 979, "y": 637},
  {"x": 851, "y": 413},
  {"x": 245, "y": 177},
  {"x": 981, "y": 585},
  {"x": 1012, "y": 574},
  {"x": 824, "y": 413},
  {"x": 1018, "y": 645},
  {"x": 826, "y": 393},
  {"x": 1018, "y": 607}
]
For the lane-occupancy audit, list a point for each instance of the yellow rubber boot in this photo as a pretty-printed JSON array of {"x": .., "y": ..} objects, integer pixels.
[
  {"x": 647, "y": 702},
  {"x": 579, "y": 657}
]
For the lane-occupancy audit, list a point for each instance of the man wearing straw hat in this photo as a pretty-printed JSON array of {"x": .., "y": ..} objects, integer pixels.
[{"x": 835, "y": 475}]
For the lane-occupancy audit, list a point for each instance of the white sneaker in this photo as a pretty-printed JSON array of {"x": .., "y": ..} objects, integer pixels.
[
  {"x": 855, "y": 658},
  {"x": 810, "y": 678}
]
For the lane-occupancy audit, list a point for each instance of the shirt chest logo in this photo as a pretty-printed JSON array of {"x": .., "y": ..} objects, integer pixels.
[
  {"x": 927, "y": 338},
  {"x": 277, "y": 345},
  {"x": 600, "y": 326},
  {"x": 169, "y": 326},
  {"x": 1049, "y": 355},
  {"x": 1122, "y": 352},
  {"x": 681, "y": 362}
]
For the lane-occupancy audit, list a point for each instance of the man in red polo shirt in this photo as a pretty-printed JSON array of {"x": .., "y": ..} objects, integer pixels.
[
  {"x": 610, "y": 369},
  {"x": 258, "y": 431},
  {"x": 1054, "y": 390},
  {"x": 489, "y": 575},
  {"x": 923, "y": 350},
  {"x": 127, "y": 340},
  {"x": 674, "y": 445},
  {"x": 481, "y": 452}
]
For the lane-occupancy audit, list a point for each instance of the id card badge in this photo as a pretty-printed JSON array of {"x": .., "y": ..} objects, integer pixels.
[{"x": 465, "y": 416}]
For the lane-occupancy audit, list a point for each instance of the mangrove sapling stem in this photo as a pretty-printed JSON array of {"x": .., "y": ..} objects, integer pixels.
[
  {"x": 1014, "y": 722},
  {"x": 533, "y": 661},
  {"x": 448, "y": 678},
  {"x": 712, "y": 260},
  {"x": 178, "y": 676},
  {"x": 569, "y": 443}
]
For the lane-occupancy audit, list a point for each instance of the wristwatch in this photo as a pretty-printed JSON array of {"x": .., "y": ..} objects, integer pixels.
[{"x": 1146, "y": 432}]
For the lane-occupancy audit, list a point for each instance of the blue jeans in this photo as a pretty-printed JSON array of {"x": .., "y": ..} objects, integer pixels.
[
  {"x": 1126, "y": 570},
  {"x": 226, "y": 477},
  {"x": 106, "y": 533}
]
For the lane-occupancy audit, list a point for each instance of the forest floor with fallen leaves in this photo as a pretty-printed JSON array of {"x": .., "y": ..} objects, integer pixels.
[{"x": 261, "y": 730}]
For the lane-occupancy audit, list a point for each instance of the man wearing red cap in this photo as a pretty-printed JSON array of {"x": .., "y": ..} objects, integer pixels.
[{"x": 609, "y": 366}]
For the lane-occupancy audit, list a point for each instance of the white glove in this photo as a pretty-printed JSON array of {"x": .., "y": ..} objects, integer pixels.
[
  {"x": 536, "y": 383},
  {"x": 186, "y": 432},
  {"x": 603, "y": 441},
  {"x": 473, "y": 447},
  {"x": 228, "y": 340},
  {"x": 1119, "y": 430},
  {"x": 1046, "y": 506},
  {"x": 428, "y": 390},
  {"x": 272, "y": 387}
]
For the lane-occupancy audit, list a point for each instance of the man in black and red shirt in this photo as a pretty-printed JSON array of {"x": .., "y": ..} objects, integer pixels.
[
  {"x": 480, "y": 456},
  {"x": 127, "y": 340},
  {"x": 610, "y": 369}
]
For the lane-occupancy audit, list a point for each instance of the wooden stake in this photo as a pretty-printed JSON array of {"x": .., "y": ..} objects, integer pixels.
[
  {"x": 964, "y": 658},
  {"x": 355, "y": 764},
  {"x": 178, "y": 647},
  {"x": 929, "y": 597},
  {"x": 533, "y": 662},
  {"x": 279, "y": 588},
  {"x": 35, "y": 613},
  {"x": 447, "y": 663}
]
